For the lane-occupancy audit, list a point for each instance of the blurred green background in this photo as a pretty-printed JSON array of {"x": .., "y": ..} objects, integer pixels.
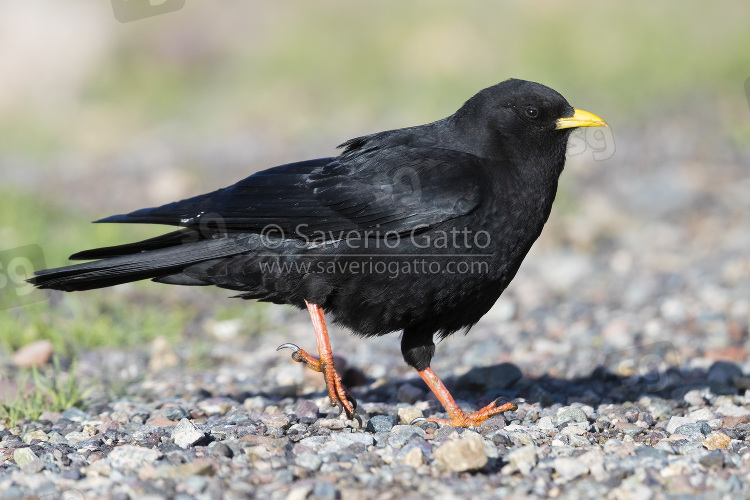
[{"x": 99, "y": 117}]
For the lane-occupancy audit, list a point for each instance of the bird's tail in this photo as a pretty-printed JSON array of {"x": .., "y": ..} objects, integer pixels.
[{"x": 149, "y": 259}]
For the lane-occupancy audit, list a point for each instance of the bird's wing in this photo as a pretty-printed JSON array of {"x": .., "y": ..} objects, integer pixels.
[
  {"x": 400, "y": 188},
  {"x": 393, "y": 189}
]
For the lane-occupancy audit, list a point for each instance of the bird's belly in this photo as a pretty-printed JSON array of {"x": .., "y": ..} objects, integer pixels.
[{"x": 374, "y": 293}]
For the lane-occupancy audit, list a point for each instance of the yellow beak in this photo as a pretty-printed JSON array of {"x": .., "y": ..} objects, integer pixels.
[{"x": 581, "y": 118}]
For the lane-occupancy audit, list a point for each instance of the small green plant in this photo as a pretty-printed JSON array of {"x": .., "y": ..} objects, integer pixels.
[{"x": 51, "y": 392}]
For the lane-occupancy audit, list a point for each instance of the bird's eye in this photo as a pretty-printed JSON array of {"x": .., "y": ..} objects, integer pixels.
[{"x": 532, "y": 112}]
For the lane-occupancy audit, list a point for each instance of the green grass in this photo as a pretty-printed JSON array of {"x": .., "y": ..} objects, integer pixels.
[{"x": 52, "y": 391}]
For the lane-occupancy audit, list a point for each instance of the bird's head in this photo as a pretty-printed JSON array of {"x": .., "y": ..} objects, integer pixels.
[{"x": 520, "y": 117}]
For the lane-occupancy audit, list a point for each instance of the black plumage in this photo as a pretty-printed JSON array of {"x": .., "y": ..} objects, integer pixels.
[{"x": 473, "y": 189}]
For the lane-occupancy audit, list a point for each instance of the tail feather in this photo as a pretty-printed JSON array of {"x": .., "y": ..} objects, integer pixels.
[
  {"x": 163, "y": 241},
  {"x": 135, "y": 266}
]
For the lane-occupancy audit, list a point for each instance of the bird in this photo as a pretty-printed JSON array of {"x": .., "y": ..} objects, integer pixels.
[{"x": 417, "y": 230}]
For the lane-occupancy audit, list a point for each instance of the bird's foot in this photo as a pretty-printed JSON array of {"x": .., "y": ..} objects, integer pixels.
[
  {"x": 459, "y": 418},
  {"x": 338, "y": 395}
]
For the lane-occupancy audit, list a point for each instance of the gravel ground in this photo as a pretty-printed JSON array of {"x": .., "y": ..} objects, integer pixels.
[{"x": 624, "y": 338}]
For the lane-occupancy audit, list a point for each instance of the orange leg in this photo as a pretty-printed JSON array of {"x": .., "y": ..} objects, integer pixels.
[
  {"x": 336, "y": 392},
  {"x": 459, "y": 418}
]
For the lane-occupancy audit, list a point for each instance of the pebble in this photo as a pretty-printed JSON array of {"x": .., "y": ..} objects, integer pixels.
[
  {"x": 132, "y": 457},
  {"x": 569, "y": 469},
  {"x": 732, "y": 410},
  {"x": 407, "y": 414},
  {"x": 414, "y": 457},
  {"x": 75, "y": 415},
  {"x": 690, "y": 430},
  {"x": 23, "y": 456},
  {"x": 186, "y": 434},
  {"x": 330, "y": 423},
  {"x": 523, "y": 459},
  {"x": 464, "y": 454},
  {"x": 712, "y": 459},
  {"x": 717, "y": 441},
  {"x": 175, "y": 413},
  {"x": 570, "y": 415},
  {"x": 309, "y": 461},
  {"x": 346, "y": 439},
  {"x": 219, "y": 450},
  {"x": 676, "y": 422},
  {"x": 32, "y": 435},
  {"x": 34, "y": 354},
  {"x": 380, "y": 423},
  {"x": 306, "y": 409},
  {"x": 694, "y": 398}
]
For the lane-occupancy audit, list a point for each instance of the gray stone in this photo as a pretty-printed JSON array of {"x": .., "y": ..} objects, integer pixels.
[
  {"x": 186, "y": 434},
  {"x": 73, "y": 474},
  {"x": 76, "y": 437},
  {"x": 712, "y": 459},
  {"x": 132, "y": 457},
  {"x": 407, "y": 431},
  {"x": 37, "y": 434},
  {"x": 380, "y": 423},
  {"x": 675, "y": 422},
  {"x": 569, "y": 469},
  {"x": 33, "y": 467},
  {"x": 276, "y": 420},
  {"x": 330, "y": 423},
  {"x": 324, "y": 491},
  {"x": 175, "y": 413},
  {"x": 407, "y": 414},
  {"x": 23, "y": 456},
  {"x": 76, "y": 415},
  {"x": 730, "y": 410},
  {"x": 412, "y": 455},
  {"x": 346, "y": 439},
  {"x": 685, "y": 447},
  {"x": 628, "y": 429},
  {"x": 314, "y": 442},
  {"x": 306, "y": 409},
  {"x": 523, "y": 458},
  {"x": 691, "y": 431},
  {"x": 694, "y": 398},
  {"x": 309, "y": 461},
  {"x": 464, "y": 454},
  {"x": 571, "y": 415},
  {"x": 702, "y": 414},
  {"x": 256, "y": 403},
  {"x": 218, "y": 450}
]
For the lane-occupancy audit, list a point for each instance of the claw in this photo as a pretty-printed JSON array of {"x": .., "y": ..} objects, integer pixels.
[
  {"x": 359, "y": 421},
  {"x": 340, "y": 405},
  {"x": 293, "y": 347}
]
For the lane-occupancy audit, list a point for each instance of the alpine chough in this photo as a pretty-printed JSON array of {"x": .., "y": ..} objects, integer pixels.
[{"x": 416, "y": 230}]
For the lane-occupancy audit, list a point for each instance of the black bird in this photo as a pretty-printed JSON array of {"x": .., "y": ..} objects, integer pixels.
[{"x": 416, "y": 230}]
